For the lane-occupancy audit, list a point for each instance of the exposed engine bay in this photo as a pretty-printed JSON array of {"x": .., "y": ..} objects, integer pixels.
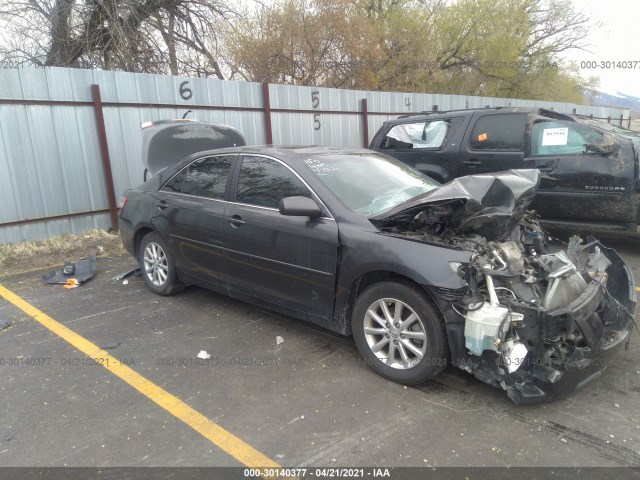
[{"x": 529, "y": 318}]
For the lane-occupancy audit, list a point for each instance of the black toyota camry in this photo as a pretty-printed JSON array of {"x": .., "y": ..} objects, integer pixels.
[{"x": 422, "y": 275}]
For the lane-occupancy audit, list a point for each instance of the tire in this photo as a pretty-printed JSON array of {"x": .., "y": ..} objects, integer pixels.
[
  {"x": 417, "y": 340},
  {"x": 158, "y": 266}
]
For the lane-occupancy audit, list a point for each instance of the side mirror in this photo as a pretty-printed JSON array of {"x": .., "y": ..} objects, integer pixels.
[{"x": 299, "y": 207}]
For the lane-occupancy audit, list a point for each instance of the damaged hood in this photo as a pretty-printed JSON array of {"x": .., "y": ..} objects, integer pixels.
[
  {"x": 166, "y": 142},
  {"x": 488, "y": 204}
]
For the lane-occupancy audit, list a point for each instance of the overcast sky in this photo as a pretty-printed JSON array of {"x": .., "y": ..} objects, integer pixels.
[{"x": 617, "y": 40}]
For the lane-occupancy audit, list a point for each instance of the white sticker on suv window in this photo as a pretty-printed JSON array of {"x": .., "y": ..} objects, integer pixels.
[{"x": 555, "y": 136}]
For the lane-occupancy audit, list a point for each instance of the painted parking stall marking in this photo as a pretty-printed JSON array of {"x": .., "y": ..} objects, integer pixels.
[{"x": 226, "y": 441}]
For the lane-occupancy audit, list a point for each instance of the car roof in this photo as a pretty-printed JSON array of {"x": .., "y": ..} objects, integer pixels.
[
  {"x": 430, "y": 115},
  {"x": 294, "y": 152}
]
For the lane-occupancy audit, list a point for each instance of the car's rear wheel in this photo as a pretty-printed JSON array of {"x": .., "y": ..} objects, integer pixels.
[
  {"x": 157, "y": 265},
  {"x": 399, "y": 332}
]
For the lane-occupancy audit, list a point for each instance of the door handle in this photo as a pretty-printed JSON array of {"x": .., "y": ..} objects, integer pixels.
[
  {"x": 236, "y": 221},
  {"x": 548, "y": 166},
  {"x": 472, "y": 163},
  {"x": 161, "y": 205}
]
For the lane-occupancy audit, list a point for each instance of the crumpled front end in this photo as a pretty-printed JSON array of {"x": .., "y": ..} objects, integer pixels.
[
  {"x": 536, "y": 324},
  {"x": 541, "y": 326}
]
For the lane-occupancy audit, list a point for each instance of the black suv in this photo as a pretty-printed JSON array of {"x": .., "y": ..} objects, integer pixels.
[{"x": 590, "y": 175}]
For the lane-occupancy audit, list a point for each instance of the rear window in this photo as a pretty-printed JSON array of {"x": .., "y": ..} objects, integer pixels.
[
  {"x": 499, "y": 132},
  {"x": 564, "y": 138},
  {"x": 429, "y": 134}
]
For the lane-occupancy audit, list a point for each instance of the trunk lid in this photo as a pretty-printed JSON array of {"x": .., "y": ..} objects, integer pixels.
[{"x": 166, "y": 142}]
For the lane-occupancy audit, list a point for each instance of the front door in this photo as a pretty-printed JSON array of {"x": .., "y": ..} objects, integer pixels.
[
  {"x": 494, "y": 142},
  {"x": 287, "y": 261},
  {"x": 587, "y": 174}
]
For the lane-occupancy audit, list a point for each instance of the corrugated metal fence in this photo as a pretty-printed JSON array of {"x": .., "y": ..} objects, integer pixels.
[{"x": 65, "y": 132}]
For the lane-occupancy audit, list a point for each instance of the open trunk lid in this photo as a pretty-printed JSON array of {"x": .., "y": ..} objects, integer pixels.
[{"x": 166, "y": 142}]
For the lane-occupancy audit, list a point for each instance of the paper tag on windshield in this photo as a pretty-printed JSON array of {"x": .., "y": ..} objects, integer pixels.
[{"x": 555, "y": 136}]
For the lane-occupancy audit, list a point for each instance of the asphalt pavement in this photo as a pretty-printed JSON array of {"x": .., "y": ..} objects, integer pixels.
[{"x": 307, "y": 400}]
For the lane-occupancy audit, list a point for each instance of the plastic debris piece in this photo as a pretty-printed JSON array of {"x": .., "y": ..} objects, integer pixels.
[
  {"x": 69, "y": 268},
  {"x": 4, "y": 324},
  {"x": 203, "y": 355},
  {"x": 83, "y": 270},
  {"x": 279, "y": 340},
  {"x": 128, "y": 273},
  {"x": 72, "y": 283},
  {"x": 125, "y": 282},
  {"x": 110, "y": 346}
]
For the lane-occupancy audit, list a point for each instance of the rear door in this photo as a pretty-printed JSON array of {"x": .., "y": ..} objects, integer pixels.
[
  {"x": 494, "y": 142},
  {"x": 189, "y": 212},
  {"x": 587, "y": 173},
  {"x": 427, "y": 145},
  {"x": 287, "y": 261}
]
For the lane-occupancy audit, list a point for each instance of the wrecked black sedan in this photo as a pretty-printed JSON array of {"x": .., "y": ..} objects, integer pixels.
[{"x": 422, "y": 275}]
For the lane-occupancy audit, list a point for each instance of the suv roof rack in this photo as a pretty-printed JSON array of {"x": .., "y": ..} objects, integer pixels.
[{"x": 435, "y": 112}]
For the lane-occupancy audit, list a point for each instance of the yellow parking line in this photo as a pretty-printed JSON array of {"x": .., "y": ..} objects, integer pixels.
[{"x": 220, "y": 437}]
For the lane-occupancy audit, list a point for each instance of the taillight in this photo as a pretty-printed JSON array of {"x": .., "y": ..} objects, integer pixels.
[{"x": 122, "y": 203}]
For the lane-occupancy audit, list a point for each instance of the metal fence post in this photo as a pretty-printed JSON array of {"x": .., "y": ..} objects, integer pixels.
[
  {"x": 104, "y": 154},
  {"x": 266, "y": 102},
  {"x": 365, "y": 123}
]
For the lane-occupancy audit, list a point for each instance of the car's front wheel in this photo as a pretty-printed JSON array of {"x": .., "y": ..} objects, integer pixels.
[
  {"x": 399, "y": 332},
  {"x": 157, "y": 265}
]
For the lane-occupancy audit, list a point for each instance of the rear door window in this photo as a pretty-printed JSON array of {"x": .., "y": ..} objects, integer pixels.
[
  {"x": 499, "y": 132},
  {"x": 566, "y": 138},
  {"x": 176, "y": 183},
  {"x": 429, "y": 134},
  {"x": 206, "y": 177}
]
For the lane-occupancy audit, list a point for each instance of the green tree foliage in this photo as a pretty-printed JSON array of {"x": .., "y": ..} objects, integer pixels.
[
  {"x": 303, "y": 42},
  {"x": 505, "y": 48}
]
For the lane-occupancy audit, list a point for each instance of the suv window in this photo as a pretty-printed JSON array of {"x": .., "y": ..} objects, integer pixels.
[
  {"x": 206, "y": 177},
  {"x": 499, "y": 132},
  {"x": 264, "y": 182},
  {"x": 563, "y": 138},
  {"x": 429, "y": 134}
]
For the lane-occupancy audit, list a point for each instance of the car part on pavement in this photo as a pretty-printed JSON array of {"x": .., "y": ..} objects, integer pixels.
[{"x": 80, "y": 272}]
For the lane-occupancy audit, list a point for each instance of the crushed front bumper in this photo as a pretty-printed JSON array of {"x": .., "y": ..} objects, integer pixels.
[
  {"x": 604, "y": 316},
  {"x": 575, "y": 344}
]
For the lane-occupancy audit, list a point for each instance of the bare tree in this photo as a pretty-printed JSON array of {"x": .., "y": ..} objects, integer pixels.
[{"x": 157, "y": 36}]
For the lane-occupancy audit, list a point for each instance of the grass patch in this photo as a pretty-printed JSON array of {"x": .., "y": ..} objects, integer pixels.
[{"x": 29, "y": 255}]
